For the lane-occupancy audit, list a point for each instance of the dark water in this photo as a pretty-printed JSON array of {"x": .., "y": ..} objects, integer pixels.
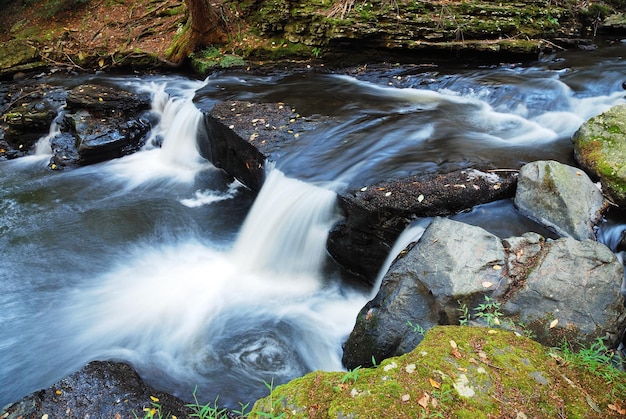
[{"x": 161, "y": 260}]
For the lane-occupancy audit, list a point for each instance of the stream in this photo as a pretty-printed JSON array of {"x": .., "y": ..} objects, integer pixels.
[{"x": 163, "y": 261}]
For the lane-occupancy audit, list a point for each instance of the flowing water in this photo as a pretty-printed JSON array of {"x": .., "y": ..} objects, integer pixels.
[{"x": 161, "y": 260}]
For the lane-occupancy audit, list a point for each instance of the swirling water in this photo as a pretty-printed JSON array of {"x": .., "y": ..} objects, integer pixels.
[{"x": 161, "y": 260}]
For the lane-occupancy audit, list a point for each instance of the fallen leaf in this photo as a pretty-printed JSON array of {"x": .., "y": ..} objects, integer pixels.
[
  {"x": 364, "y": 188},
  {"x": 388, "y": 194},
  {"x": 553, "y": 323},
  {"x": 472, "y": 361},
  {"x": 487, "y": 284},
  {"x": 405, "y": 398},
  {"x": 423, "y": 401},
  {"x": 420, "y": 198},
  {"x": 101, "y": 62},
  {"x": 453, "y": 344},
  {"x": 497, "y": 267},
  {"x": 455, "y": 353},
  {"x": 154, "y": 399},
  {"x": 410, "y": 368},
  {"x": 59, "y": 392},
  {"x": 434, "y": 384}
]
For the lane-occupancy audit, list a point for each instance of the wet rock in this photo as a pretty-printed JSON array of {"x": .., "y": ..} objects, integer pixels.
[
  {"x": 99, "y": 390},
  {"x": 241, "y": 136},
  {"x": 561, "y": 197},
  {"x": 560, "y": 290},
  {"x": 105, "y": 122},
  {"x": 452, "y": 262},
  {"x": 101, "y": 100},
  {"x": 600, "y": 149},
  {"x": 377, "y": 214},
  {"x": 570, "y": 291},
  {"x": 28, "y": 113}
]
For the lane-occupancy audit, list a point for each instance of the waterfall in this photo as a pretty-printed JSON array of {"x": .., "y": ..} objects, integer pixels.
[{"x": 287, "y": 227}]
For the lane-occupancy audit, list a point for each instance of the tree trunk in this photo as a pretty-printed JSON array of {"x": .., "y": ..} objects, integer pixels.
[{"x": 204, "y": 27}]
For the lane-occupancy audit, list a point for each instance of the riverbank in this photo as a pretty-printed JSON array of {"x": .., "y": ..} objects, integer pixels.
[{"x": 88, "y": 35}]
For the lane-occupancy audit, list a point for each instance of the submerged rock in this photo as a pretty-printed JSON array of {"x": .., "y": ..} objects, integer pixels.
[
  {"x": 600, "y": 149},
  {"x": 99, "y": 390},
  {"x": 561, "y": 197},
  {"x": 455, "y": 372}
]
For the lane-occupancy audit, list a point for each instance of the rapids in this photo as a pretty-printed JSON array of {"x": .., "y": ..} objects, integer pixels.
[{"x": 161, "y": 260}]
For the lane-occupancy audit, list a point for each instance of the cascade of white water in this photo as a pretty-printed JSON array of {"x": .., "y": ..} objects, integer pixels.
[{"x": 287, "y": 227}]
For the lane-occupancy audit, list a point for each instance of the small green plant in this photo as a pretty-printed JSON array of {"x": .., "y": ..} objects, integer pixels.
[
  {"x": 489, "y": 311},
  {"x": 155, "y": 411},
  {"x": 598, "y": 359},
  {"x": 416, "y": 328},
  {"x": 273, "y": 404},
  {"x": 206, "y": 411},
  {"x": 464, "y": 314},
  {"x": 316, "y": 52},
  {"x": 351, "y": 375}
]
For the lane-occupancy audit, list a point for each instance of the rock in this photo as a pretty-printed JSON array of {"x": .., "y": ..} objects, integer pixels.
[
  {"x": 241, "y": 136},
  {"x": 560, "y": 197},
  {"x": 600, "y": 149},
  {"x": 98, "y": 99},
  {"x": 451, "y": 263},
  {"x": 28, "y": 114},
  {"x": 99, "y": 139},
  {"x": 455, "y": 372},
  {"x": 575, "y": 284},
  {"x": 456, "y": 270},
  {"x": 17, "y": 55},
  {"x": 99, "y": 390},
  {"x": 377, "y": 214},
  {"x": 106, "y": 123}
]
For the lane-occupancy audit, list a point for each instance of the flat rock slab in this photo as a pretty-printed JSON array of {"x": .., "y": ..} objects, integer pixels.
[
  {"x": 377, "y": 214},
  {"x": 242, "y": 136}
]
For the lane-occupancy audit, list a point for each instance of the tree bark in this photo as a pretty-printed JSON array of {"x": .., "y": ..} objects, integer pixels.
[{"x": 204, "y": 27}]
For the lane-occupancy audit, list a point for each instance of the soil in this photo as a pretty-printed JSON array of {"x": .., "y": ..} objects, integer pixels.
[{"x": 102, "y": 28}]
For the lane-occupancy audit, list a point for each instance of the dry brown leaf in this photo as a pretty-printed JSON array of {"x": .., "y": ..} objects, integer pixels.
[
  {"x": 405, "y": 398},
  {"x": 423, "y": 401},
  {"x": 434, "y": 383},
  {"x": 453, "y": 344},
  {"x": 455, "y": 353},
  {"x": 553, "y": 323}
]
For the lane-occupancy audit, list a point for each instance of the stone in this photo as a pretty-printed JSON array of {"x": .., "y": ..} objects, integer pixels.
[
  {"x": 561, "y": 197},
  {"x": 600, "y": 149},
  {"x": 99, "y": 390},
  {"x": 451, "y": 263},
  {"x": 375, "y": 215},
  {"x": 576, "y": 283}
]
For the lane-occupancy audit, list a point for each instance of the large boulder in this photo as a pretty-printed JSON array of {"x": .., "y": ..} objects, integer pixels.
[
  {"x": 452, "y": 262},
  {"x": 558, "y": 290},
  {"x": 570, "y": 290},
  {"x": 560, "y": 197},
  {"x": 375, "y": 215},
  {"x": 455, "y": 372},
  {"x": 99, "y": 390},
  {"x": 600, "y": 149}
]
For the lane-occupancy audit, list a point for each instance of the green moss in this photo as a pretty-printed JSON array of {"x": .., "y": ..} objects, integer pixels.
[{"x": 454, "y": 372}]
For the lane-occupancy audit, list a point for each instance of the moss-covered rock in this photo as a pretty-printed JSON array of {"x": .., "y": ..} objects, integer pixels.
[
  {"x": 17, "y": 55},
  {"x": 460, "y": 372},
  {"x": 600, "y": 149}
]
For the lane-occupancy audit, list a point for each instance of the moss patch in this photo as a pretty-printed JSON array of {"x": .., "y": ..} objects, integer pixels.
[
  {"x": 600, "y": 148},
  {"x": 455, "y": 372}
]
